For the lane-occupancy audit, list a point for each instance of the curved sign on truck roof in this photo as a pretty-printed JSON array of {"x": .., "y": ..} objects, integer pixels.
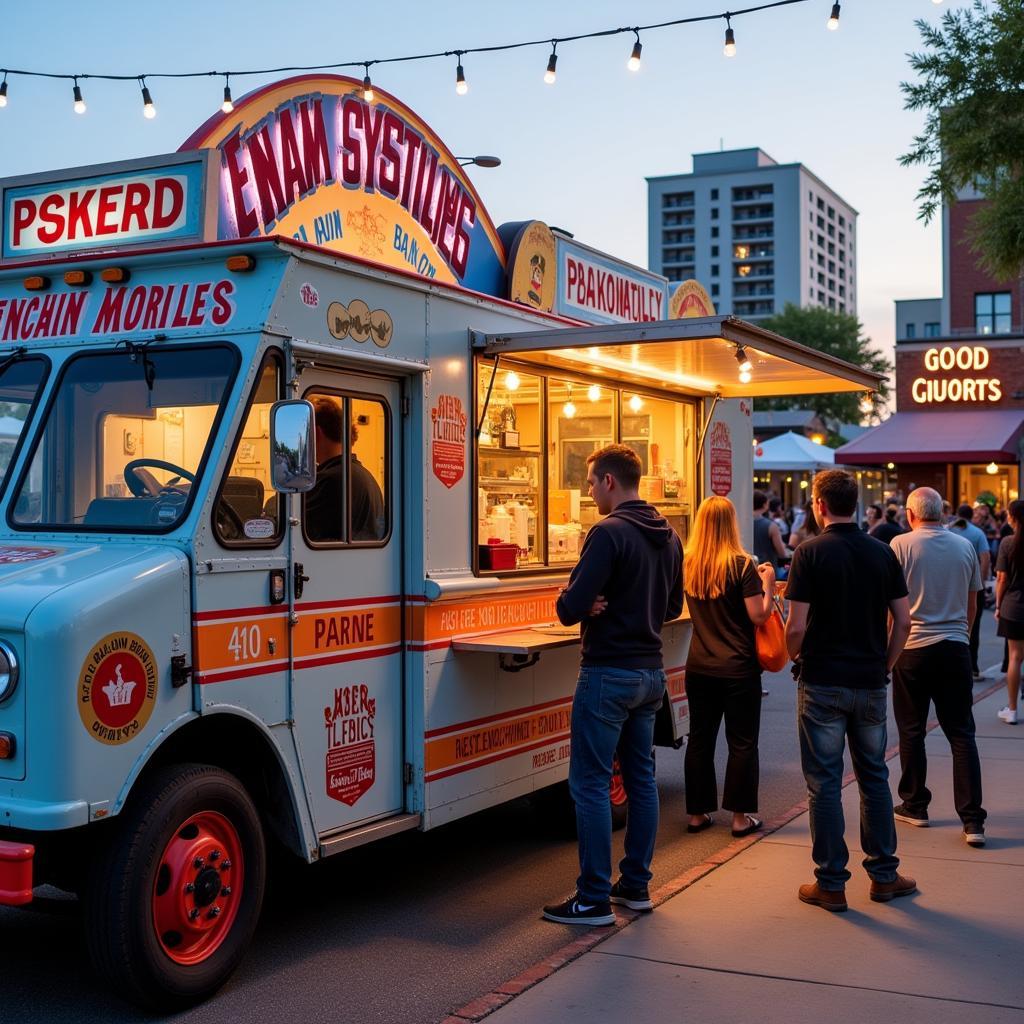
[{"x": 310, "y": 158}]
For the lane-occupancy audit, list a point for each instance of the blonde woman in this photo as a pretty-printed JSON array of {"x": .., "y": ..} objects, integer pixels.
[{"x": 727, "y": 595}]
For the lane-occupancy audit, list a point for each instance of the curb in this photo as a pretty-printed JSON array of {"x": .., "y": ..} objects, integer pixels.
[{"x": 486, "y": 1004}]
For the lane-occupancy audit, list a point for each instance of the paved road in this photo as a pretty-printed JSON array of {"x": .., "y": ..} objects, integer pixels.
[{"x": 404, "y": 931}]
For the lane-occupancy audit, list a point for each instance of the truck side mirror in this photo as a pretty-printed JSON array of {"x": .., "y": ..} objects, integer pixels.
[{"x": 292, "y": 446}]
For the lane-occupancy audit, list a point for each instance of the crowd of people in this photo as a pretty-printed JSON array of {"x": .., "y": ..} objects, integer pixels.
[{"x": 895, "y": 598}]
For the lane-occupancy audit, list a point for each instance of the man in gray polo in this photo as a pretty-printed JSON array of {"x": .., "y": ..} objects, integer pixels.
[{"x": 943, "y": 578}]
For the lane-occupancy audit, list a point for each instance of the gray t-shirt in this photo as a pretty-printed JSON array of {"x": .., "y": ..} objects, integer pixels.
[{"x": 941, "y": 568}]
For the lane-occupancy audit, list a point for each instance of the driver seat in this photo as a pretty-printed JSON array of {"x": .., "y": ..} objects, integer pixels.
[
  {"x": 245, "y": 495},
  {"x": 115, "y": 512}
]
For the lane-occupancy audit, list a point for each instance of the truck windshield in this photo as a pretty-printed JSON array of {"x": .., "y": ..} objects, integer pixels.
[
  {"x": 125, "y": 439},
  {"x": 20, "y": 380}
]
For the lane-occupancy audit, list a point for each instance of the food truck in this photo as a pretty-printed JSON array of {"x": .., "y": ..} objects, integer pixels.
[{"x": 301, "y": 471}]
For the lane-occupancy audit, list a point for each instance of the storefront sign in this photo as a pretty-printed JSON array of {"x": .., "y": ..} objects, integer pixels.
[
  {"x": 310, "y": 158},
  {"x": 974, "y": 359},
  {"x": 532, "y": 267},
  {"x": 448, "y": 439},
  {"x": 720, "y": 462},
  {"x": 601, "y": 290},
  {"x": 159, "y": 203},
  {"x": 690, "y": 299}
]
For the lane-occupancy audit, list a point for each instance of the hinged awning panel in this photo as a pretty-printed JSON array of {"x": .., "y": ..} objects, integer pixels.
[{"x": 695, "y": 356}]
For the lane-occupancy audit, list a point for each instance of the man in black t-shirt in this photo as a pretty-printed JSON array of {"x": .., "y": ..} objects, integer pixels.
[{"x": 843, "y": 586}]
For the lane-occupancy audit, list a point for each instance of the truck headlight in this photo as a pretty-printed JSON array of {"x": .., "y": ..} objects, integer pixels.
[{"x": 8, "y": 670}]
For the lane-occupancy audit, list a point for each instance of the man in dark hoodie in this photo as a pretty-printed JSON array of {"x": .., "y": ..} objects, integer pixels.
[{"x": 626, "y": 585}]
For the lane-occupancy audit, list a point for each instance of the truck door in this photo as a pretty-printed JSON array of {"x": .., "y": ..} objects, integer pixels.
[{"x": 347, "y": 642}]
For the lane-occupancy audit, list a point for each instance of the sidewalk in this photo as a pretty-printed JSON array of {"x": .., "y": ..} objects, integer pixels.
[{"x": 737, "y": 944}]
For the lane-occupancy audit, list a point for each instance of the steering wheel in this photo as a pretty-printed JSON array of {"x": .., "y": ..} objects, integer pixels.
[
  {"x": 142, "y": 483},
  {"x": 229, "y": 522}
]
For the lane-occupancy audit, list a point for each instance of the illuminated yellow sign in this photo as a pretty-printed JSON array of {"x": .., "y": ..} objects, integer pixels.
[{"x": 976, "y": 358}]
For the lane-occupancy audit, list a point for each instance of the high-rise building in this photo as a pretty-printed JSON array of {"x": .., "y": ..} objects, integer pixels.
[{"x": 757, "y": 233}]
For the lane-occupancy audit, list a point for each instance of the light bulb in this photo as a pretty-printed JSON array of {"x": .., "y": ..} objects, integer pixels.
[
  {"x": 866, "y": 405},
  {"x": 594, "y": 393},
  {"x": 636, "y": 403},
  {"x": 461, "y": 86},
  {"x": 3, "y": 93},
  {"x": 227, "y": 106},
  {"x": 148, "y": 109},
  {"x": 549, "y": 75},
  {"x": 634, "y": 58},
  {"x": 569, "y": 409},
  {"x": 745, "y": 376},
  {"x": 991, "y": 469},
  {"x": 730, "y": 43},
  {"x": 833, "y": 18},
  {"x": 367, "y": 89},
  {"x": 511, "y": 380},
  {"x": 79, "y": 101}
]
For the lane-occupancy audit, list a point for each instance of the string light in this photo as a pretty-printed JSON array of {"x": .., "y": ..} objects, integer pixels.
[
  {"x": 569, "y": 409},
  {"x": 745, "y": 376},
  {"x": 634, "y": 58},
  {"x": 79, "y": 102},
  {"x": 511, "y": 380},
  {"x": 227, "y": 106},
  {"x": 991, "y": 469},
  {"x": 549, "y": 75},
  {"x": 462, "y": 86},
  {"x": 741, "y": 357},
  {"x": 867, "y": 404},
  {"x": 636, "y": 403},
  {"x": 367, "y": 85},
  {"x": 148, "y": 110},
  {"x": 594, "y": 393},
  {"x": 730, "y": 38},
  {"x": 833, "y": 19}
]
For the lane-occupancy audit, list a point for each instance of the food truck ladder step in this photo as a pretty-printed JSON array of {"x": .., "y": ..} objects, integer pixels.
[{"x": 336, "y": 842}]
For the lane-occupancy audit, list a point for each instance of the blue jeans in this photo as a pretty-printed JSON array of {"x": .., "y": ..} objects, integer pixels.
[
  {"x": 614, "y": 710},
  {"x": 828, "y": 716}
]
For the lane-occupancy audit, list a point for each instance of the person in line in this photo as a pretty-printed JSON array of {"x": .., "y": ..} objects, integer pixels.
[
  {"x": 768, "y": 546},
  {"x": 942, "y": 574},
  {"x": 808, "y": 528},
  {"x": 873, "y": 516},
  {"x": 325, "y": 503},
  {"x": 777, "y": 515},
  {"x": 626, "y": 585},
  {"x": 889, "y": 527},
  {"x": 843, "y": 586},
  {"x": 727, "y": 598},
  {"x": 963, "y": 525},
  {"x": 1010, "y": 605}
]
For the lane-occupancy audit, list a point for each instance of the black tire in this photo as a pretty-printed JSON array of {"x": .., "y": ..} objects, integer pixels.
[{"x": 121, "y": 900}]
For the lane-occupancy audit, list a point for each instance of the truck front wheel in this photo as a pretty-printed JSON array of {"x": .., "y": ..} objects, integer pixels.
[{"x": 175, "y": 894}]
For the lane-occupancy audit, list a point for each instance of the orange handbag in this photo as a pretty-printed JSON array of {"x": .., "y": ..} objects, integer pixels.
[{"x": 771, "y": 640}]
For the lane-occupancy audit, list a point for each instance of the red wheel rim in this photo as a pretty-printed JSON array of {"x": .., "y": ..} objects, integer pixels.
[
  {"x": 198, "y": 887},
  {"x": 617, "y": 793}
]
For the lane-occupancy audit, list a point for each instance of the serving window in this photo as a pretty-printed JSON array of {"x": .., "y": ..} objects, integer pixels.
[{"x": 537, "y": 430}]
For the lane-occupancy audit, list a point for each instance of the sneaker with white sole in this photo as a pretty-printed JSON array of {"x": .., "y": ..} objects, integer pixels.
[
  {"x": 635, "y": 899},
  {"x": 575, "y": 911},
  {"x": 903, "y": 813},
  {"x": 974, "y": 835},
  {"x": 1008, "y": 715}
]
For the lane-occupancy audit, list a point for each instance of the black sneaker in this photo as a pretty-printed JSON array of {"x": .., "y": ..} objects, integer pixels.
[
  {"x": 902, "y": 813},
  {"x": 974, "y": 835},
  {"x": 574, "y": 911},
  {"x": 635, "y": 899}
]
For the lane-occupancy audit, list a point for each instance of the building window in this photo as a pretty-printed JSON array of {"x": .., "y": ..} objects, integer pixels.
[
  {"x": 811, "y": 234},
  {"x": 820, "y": 221},
  {"x": 842, "y": 291},
  {"x": 831, "y": 285},
  {"x": 714, "y": 193},
  {"x": 831, "y": 267},
  {"x": 811, "y": 273},
  {"x": 714, "y": 250},
  {"x": 810, "y": 197},
  {"x": 743, "y": 270},
  {"x": 714, "y": 232},
  {"x": 821, "y": 260},
  {"x": 821, "y": 241},
  {"x": 842, "y": 223},
  {"x": 842, "y": 307},
  {"x": 831, "y": 213},
  {"x": 714, "y": 213},
  {"x": 714, "y": 291},
  {"x": 842, "y": 238},
  {"x": 931, "y": 330},
  {"x": 910, "y": 331},
  {"x": 821, "y": 203},
  {"x": 831, "y": 249},
  {"x": 714, "y": 270},
  {"x": 992, "y": 312}
]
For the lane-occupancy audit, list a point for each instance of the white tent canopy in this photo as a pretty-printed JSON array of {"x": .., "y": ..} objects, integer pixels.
[{"x": 793, "y": 452}]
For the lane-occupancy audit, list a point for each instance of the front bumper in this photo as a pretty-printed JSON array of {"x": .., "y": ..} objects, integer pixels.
[{"x": 16, "y": 873}]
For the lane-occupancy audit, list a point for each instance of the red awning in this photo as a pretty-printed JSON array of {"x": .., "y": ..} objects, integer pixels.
[{"x": 986, "y": 435}]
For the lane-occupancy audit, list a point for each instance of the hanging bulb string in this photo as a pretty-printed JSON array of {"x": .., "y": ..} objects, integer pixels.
[{"x": 497, "y": 48}]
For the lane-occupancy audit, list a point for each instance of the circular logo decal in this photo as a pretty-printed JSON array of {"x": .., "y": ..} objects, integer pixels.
[
  {"x": 117, "y": 688},
  {"x": 382, "y": 327},
  {"x": 359, "y": 312},
  {"x": 338, "y": 320}
]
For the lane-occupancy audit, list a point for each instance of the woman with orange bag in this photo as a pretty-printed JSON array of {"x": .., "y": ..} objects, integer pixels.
[{"x": 728, "y": 597}]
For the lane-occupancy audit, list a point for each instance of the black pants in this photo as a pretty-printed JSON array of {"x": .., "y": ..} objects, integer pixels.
[
  {"x": 739, "y": 702},
  {"x": 939, "y": 673},
  {"x": 976, "y": 631}
]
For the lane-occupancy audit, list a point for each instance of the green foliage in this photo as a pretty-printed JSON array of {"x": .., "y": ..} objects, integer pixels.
[
  {"x": 837, "y": 334},
  {"x": 971, "y": 84}
]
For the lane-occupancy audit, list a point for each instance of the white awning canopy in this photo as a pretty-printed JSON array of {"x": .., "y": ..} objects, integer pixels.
[
  {"x": 793, "y": 452},
  {"x": 690, "y": 356}
]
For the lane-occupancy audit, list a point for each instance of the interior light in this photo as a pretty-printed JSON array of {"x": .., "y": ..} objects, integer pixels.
[
  {"x": 511, "y": 380},
  {"x": 833, "y": 18},
  {"x": 634, "y": 58},
  {"x": 594, "y": 393},
  {"x": 890, "y": 465},
  {"x": 569, "y": 409},
  {"x": 818, "y": 438},
  {"x": 803, "y": 485},
  {"x": 636, "y": 403},
  {"x": 991, "y": 469}
]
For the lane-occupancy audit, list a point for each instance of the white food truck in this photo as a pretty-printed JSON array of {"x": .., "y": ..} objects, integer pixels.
[{"x": 300, "y": 471}]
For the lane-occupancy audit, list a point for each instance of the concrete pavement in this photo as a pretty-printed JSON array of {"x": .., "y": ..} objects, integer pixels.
[{"x": 736, "y": 943}]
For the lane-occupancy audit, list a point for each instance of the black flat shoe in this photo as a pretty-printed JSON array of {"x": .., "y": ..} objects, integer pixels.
[
  {"x": 706, "y": 823},
  {"x": 753, "y": 825}
]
